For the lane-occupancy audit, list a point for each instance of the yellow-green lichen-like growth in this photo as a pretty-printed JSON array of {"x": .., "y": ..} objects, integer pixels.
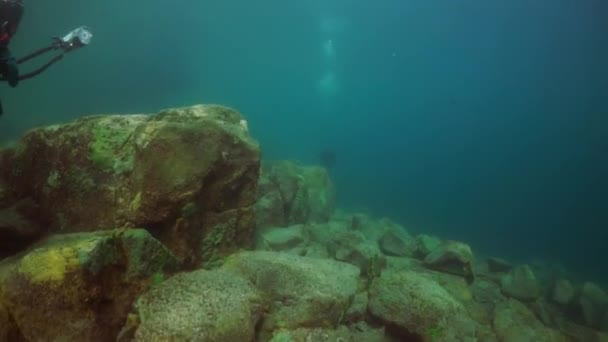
[
  {"x": 109, "y": 148},
  {"x": 52, "y": 263}
]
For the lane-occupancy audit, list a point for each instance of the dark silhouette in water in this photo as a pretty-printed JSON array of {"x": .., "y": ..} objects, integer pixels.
[{"x": 327, "y": 158}]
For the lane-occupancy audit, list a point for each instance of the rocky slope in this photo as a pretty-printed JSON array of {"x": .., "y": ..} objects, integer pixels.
[{"x": 165, "y": 227}]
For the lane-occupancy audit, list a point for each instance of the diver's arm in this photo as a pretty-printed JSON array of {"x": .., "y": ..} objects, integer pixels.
[{"x": 8, "y": 66}]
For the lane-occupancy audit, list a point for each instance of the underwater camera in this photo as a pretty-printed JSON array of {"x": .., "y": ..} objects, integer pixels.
[{"x": 77, "y": 38}]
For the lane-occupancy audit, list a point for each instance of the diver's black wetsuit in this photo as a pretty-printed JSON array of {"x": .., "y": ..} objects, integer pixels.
[{"x": 11, "y": 12}]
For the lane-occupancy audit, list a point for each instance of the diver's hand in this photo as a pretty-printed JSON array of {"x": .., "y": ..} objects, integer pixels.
[{"x": 12, "y": 72}]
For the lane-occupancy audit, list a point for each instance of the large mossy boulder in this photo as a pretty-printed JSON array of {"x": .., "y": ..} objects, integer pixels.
[
  {"x": 188, "y": 175},
  {"x": 199, "y": 306},
  {"x": 79, "y": 287},
  {"x": 302, "y": 291},
  {"x": 290, "y": 193}
]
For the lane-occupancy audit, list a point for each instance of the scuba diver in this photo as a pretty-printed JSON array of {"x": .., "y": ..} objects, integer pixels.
[{"x": 11, "y": 12}]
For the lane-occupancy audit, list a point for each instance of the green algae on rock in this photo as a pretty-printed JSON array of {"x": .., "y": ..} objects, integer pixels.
[
  {"x": 169, "y": 172},
  {"x": 79, "y": 287},
  {"x": 214, "y": 306}
]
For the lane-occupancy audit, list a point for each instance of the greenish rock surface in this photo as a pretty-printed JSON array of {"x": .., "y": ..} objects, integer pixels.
[
  {"x": 397, "y": 243},
  {"x": 593, "y": 303},
  {"x": 281, "y": 239},
  {"x": 290, "y": 193},
  {"x": 514, "y": 322},
  {"x": 80, "y": 287},
  {"x": 199, "y": 306},
  {"x": 521, "y": 283},
  {"x": 358, "y": 333},
  {"x": 174, "y": 172},
  {"x": 303, "y": 292},
  {"x": 419, "y": 307},
  {"x": 354, "y": 248},
  {"x": 563, "y": 292},
  {"x": 425, "y": 245},
  {"x": 452, "y": 257}
]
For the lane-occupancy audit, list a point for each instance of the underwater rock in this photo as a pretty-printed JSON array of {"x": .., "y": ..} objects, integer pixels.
[
  {"x": 577, "y": 332},
  {"x": 498, "y": 265},
  {"x": 396, "y": 243},
  {"x": 514, "y": 322},
  {"x": 359, "y": 332},
  {"x": 486, "y": 295},
  {"x": 281, "y": 239},
  {"x": 563, "y": 292},
  {"x": 452, "y": 257},
  {"x": 80, "y": 287},
  {"x": 402, "y": 264},
  {"x": 425, "y": 244},
  {"x": 8, "y": 329},
  {"x": 17, "y": 228},
  {"x": 358, "y": 308},
  {"x": 417, "y": 308},
  {"x": 353, "y": 248},
  {"x": 593, "y": 303},
  {"x": 303, "y": 292},
  {"x": 521, "y": 283},
  {"x": 289, "y": 193},
  {"x": 171, "y": 173},
  {"x": 200, "y": 306}
]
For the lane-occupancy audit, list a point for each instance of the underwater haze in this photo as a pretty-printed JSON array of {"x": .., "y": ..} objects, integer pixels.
[{"x": 482, "y": 121}]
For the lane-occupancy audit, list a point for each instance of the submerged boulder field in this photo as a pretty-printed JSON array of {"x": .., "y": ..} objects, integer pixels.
[{"x": 166, "y": 227}]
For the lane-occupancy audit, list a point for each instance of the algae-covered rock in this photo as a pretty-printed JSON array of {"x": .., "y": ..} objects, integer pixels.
[
  {"x": 199, "y": 306},
  {"x": 425, "y": 244},
  {"x": 397, "y": 243},
  {"x": 358, "y": 333},
  {"x": 281, "y": 239},
  {"x": 352, "y": 247},
  {"x": 80, "y": 287},
  {"x": 293, "y": 194},
  {"x": 521, "y": 283},
  {"x": 303, "y": 291},
  {"x": 171, "y": 173},
  {"x": 419, "y": 308},
  {"x": 452, "y": 257},
  {"x": 593, "y": 304},
  {"x": 563, "y": 292},
  {"x": 514, "y": 322}
]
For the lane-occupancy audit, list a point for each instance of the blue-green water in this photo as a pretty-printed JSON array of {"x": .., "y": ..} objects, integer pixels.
[{"x": 475, "y": 120}]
